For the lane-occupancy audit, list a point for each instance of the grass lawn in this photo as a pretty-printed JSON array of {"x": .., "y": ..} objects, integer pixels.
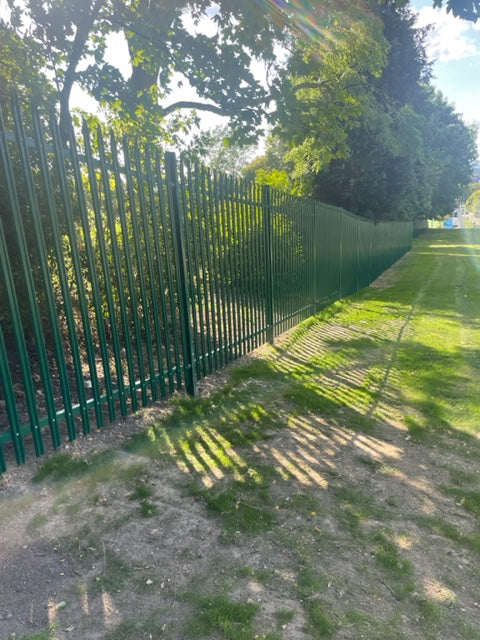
[{"x": 326, "y": 487}]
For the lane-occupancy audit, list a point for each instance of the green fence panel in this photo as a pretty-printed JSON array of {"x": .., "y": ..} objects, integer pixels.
[
  {"x": 70, "y": 335},
  {"x": 329, "y": 230},
  {"x": 77, "y": 215},
  {"x": 380, "y": 250},
  {"x": 177, "y": 219},
  {"x": 107, "y": 308},
  {"x": 125, "y": 275},
  {"x": 364, "y": 249},
  {"x": 293, "y": 265},
  {"x": 349, "y": 263},
  {"x": 167, "y": 280}
]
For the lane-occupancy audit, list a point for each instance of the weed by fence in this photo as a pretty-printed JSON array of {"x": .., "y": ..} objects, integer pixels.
[{"x": 126, "y": 275}]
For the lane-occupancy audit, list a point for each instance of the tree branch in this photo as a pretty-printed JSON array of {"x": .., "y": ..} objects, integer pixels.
[
  {"x": 81, "y": 36},
  {"x": 204, "y": 106},
  {"x": 186, "y": 104}
]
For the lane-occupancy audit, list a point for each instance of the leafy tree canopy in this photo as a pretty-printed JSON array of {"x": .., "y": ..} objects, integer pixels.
[
  {"x": 22, "y": 68},
  {"x": 367, "y": 132},
  {"x": 166, "y": 45},
  {"x": 207, "y": 45},
  {"x": 320, "y": 93}
]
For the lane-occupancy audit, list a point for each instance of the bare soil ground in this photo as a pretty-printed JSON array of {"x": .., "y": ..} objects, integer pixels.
[{"x": 356, "y": 530}]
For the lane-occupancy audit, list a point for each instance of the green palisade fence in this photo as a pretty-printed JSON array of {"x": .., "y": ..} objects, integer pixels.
[{"x": 126, "y": 275}]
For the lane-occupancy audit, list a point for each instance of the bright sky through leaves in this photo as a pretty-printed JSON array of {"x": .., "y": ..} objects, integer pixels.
[{"x": 454, "y": 45}]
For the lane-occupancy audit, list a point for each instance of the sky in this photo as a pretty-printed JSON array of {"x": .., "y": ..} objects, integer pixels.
[{"x": 454, "y": 48}]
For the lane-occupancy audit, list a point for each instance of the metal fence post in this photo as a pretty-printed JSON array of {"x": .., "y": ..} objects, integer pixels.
[
  {"x": 314, "y": 258},
  {"x": 340, "y": 257},
  {"x": 267, "y": 234},
  {"x": 177, "y": 219}
]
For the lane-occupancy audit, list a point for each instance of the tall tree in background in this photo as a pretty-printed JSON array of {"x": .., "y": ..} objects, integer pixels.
[
  {"x": 383, "y": 175},
  {"x": 321, "y": 93},
  {"x": 389, "y": 147},
  {"x": 351, "y": 103},
  {"x": 411, "y": 153},
  {"x": 217, "y": 149}
]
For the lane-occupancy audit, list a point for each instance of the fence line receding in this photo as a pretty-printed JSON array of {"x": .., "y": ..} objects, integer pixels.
[{"x": 126, "y": 275}]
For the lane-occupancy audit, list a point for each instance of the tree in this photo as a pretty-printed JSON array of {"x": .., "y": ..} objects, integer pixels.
[
  {"x": 163, "y": 46},
  {"x": 168, "y": 44},
  {"x": 383, "y": 176},
  {"x": 388, "y": 146},
  {"x": 271, "y": 168},
  {"x": 321, "y": 92},
  {"x": 450, "y": 148}
]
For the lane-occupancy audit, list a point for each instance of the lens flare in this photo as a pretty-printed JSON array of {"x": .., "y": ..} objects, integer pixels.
[{"x": 318, "y": 20}]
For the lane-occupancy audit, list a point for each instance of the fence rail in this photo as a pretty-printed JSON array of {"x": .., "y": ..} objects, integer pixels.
[{"x": 126, "y": 275}]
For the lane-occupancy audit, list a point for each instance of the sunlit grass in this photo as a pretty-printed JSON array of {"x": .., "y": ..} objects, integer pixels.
[{"x": 437, "y": 359}]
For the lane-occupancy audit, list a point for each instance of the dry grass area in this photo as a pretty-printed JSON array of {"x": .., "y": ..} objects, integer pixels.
[{"x": 327, "y": 487}]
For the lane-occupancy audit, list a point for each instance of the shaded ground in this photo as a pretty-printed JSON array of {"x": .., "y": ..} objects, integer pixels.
[{"x": 327, "y": 487}]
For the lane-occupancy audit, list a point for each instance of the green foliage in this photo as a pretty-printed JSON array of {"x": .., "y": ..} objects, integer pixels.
[
  {"x": 410, "y": 154},
  {"x": 276, "y": 178},
  {"x": 320, "y": 95},
  {"x": 22, "y": 69},
  {"x": 271, "y": 168},
  {"x": 211, "y": 52},
  {"x": 472, "y": 203},
  {"x": 379, "y": 141}
]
